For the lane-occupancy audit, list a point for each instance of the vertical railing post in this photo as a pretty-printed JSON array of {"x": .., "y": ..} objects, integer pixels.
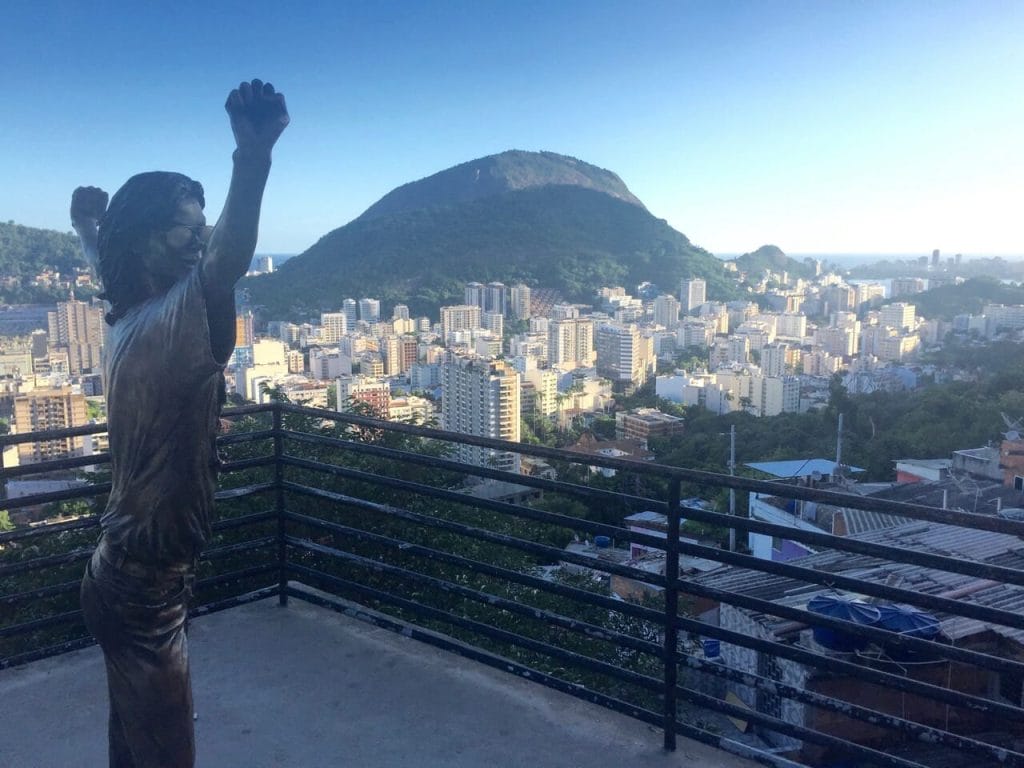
[
  {"x": 282, "y": 548},
  {"x": 671, "y": 652}
]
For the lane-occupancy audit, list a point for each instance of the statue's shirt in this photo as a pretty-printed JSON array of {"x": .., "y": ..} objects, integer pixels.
[{"x": 163, "y": 402}]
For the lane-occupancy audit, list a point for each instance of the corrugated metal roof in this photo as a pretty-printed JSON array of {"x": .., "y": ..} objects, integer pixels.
[
  {"x": 800, "y": 467},
  {"x": 951, "y": 541}
]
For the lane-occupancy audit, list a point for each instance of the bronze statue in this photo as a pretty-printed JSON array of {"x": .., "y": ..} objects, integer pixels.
[{"x": 170, "y": 283}]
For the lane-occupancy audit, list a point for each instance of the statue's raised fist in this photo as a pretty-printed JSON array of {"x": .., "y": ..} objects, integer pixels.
[
  {"x": 88, "y": 204},
  {"x": 258, "y": 115}
]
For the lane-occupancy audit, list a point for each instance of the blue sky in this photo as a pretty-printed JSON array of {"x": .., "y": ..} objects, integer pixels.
[{"x": 824, "y": 127}]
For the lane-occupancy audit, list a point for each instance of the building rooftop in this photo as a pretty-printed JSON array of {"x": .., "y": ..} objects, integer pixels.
[
  {"x": 304, "y": 686},
  {"x": 800, "y": 467}
]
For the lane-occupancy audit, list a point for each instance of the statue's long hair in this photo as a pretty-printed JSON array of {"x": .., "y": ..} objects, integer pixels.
[{"x": 144, "y": 206}]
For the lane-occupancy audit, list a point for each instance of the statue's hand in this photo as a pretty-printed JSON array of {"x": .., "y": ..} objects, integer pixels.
[
  {"x": 258, "y": 115},
  {"x": 88, "y": 204}
]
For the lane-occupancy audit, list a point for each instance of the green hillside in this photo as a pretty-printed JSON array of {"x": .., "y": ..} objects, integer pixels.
[
  {"x": 969, "y": 297},
  {"x": 571, "y": 239},
  {"x": 25, "y": 252},
  {"x": 543, "y": 219},
  {"x": 771, "y": 258}
]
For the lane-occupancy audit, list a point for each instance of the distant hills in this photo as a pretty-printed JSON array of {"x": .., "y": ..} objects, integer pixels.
[
  {"x": 543, "y": 219},
  {"x": 26, "y": 252},
  {"x": 771, "y": 258}
]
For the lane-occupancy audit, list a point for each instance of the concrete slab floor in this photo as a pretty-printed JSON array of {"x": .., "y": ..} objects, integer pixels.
[{"x": 303, "y": 686}]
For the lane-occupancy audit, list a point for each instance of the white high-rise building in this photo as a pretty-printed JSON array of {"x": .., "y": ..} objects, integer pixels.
[
  {"x": 369, "y": 310},
  {"x": 496, "y": 298},
  {"x": 624, "y": 355},
  {"x": 666, "y": 312},
  {"x": 520, "y": 301},
  {"x": 692, "y": 293},
  {"x": 459, "y": 317},
  {"x": 898, "y": 315},
  {"x": 571, "y": 342},
  {"x": 333, "y": 325},
  {"x": 474, "y": 294},
  {"x": 400, "y": 312},
  {"x": 481, "y": 398}
]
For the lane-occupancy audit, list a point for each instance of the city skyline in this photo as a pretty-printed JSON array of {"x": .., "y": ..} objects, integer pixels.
[{"x": 818, "y": 127}]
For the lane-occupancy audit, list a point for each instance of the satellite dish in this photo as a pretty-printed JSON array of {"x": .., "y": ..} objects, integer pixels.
[
  {"x": 816, "y": 476},
  {"x": 1013, "y": 435}
]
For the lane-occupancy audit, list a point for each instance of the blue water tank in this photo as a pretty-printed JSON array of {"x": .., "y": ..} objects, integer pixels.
[
  {"x": 712, "y": 647},
  {"x": 847, "y": 609},
  {"x": 602, "y": 541},
  {"x": 909, "y": 621}
]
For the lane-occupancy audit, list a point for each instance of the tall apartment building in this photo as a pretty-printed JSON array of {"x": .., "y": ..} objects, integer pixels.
[
  {"x": 78, "y": 329},
  {"x": 774, "y": 358},
  {"x": 481, "y": 398},
  {"x": 624, "y": 356},
  {"x": 460, "y": 317},
  {"x": 666, "y": 311},
  {"x": 898, "y": 315},
  {"x": 244, "y": 331},
  {"x": 369, "y": 310},
  {"x": 496, "y": 299},
  {"x": 520, "y": 298},
  {"x": 400, "y": 312},
  {"x": 473, "y": 295},
  {"x": 692, "y": 293},
  {"x": 571, "y": 343},
  {"x": 333, "y": 325},
  {"x": 44, "y": 409}
]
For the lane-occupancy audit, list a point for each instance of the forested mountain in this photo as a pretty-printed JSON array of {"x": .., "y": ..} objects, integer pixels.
[
  {"x": 969, "y": 297},
  {"x": 771, "y": 257},
  {"x": 25, "y": 252},
  {"x": 538, "y": 218}
]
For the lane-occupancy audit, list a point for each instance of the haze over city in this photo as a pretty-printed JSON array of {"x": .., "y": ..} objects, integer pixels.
[{"x": 819, "y": 127}]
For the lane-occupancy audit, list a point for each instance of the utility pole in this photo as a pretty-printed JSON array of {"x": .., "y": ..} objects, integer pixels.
[
  {"x": 732, "y": 491},
  {"x": 839, "y": 449}
]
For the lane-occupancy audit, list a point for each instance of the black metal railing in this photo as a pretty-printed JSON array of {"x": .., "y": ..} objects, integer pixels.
[{"x": 380, "y": 520}]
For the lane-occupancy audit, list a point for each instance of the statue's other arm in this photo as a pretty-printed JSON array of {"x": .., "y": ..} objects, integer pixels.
[
  {"x": 258, "y": 116},
  {"x": 88, "y": 204}
]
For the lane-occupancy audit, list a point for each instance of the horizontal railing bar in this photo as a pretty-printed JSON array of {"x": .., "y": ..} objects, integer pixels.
[
  {"x": 247, "y": 410},
  {"x": 854, "y": 545},
  {"x": 502, "y": 635},
  {"x": 48, "y": 435},
  {"x": 242, "y": 573},
  {"x": 239, "y": 465},
  {"x": 233, "y": 602},
  {"x": 774, "y": 488},
  {"x": 50, "y": 529},
  {"x": 46, "y": 561},
  {"x": 834, "y": 665},
  {"x": 363, "y": 613},
  {"x": 246, "y": 437},
  {"x": 245, "y": 490},
  {"x": 230, "y": 523},
  {"x": 40, "y": 623},
  {"x": 451, "y": 465},
  {"x": 923, "y": 733},
  {"x": 593, "y": 598},
  {"x": 542, "y": 550},
  {"x": 51, "y": 650},
  {"x": 54, "y": 465},
  {"x": 41, "y": 593},
  {"x": 34, "y": 499},
  {"x": 467, "y": 500},
  {"x": 860, "y": 586},
  {"x": 214, "y": 553},
  {"x": 953, "y": 607},
  {"x": 881, "y": 636},
  {"x": 501, "y": 603}
]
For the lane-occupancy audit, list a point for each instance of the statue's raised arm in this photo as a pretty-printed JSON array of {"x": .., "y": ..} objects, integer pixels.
[
  {"x": 88, "y": 204},
  {"x": 258, "y": 116}
]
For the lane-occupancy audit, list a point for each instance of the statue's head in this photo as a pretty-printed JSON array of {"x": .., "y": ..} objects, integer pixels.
[{"x": 152, "y": 234}]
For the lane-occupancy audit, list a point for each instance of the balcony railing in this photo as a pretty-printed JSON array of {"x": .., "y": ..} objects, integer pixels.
[{"x": 373, "y": 519}]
